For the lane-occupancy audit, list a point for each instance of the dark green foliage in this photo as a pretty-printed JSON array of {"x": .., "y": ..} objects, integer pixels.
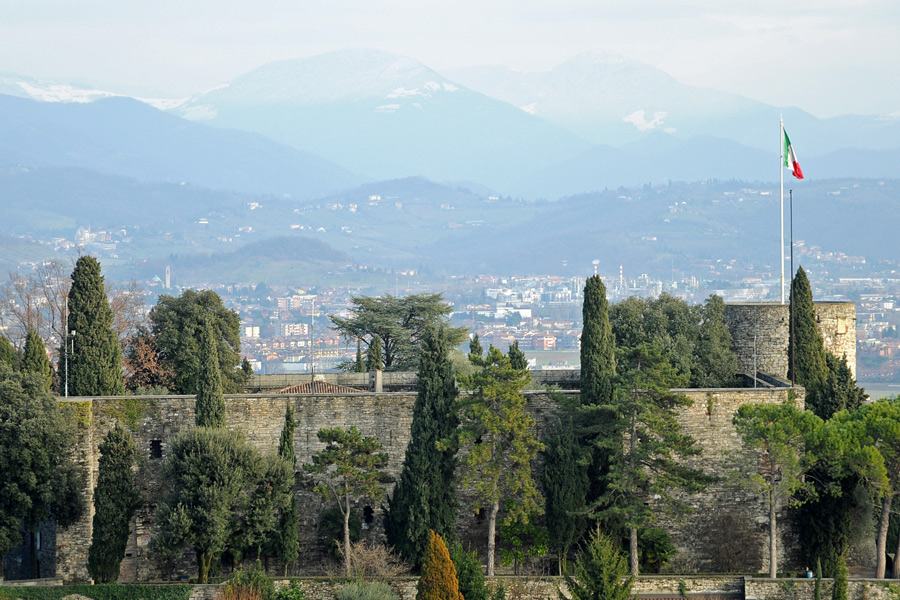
[
  {"x": 177, "y": 324},
  {"x": 839, "y": 590},
  {"x": 600, "y": 573},
  {"x": 210, "y": 411},
  {"x": 517, "y": 358},
  {"x": 469, "y": 572},
  {"x": 37, "y": 479},
  {"x": 359, "y": 590},
  {"x": 646, "y": 448},
  {"x": 374, "y": 359},
  {"x": 7, "y": 353},
  {"x": 807, "y": 365},
  {"x": 425, "y": 496},
  {"x": 359, "y": 365},
  {"x": 839, "y": 391},
  {"x": 107, "y": 591},
  {"x": 694, "y": 338},
  {"x": 598, "y": 346},
  {"x": 399, "y": 323},
  {"x": 522, "y": 539},
  {"x": 283, "y": 539},
  {"x": 34, "y": 359},
  {"x": 116, "y": 498},
  {"x": 332, "y": 526},
  {"x": 292, "y": 591},
  {"x": 836, "y": 518},
  {"x": 475, "y": 349},
  {"x": 95, "y": 364},
  {"x": 348, "y": 467},
  {"x": 817, "y": 591},
  {"x": 222, "y": 494},
  {"x": 565, "y": 480}
]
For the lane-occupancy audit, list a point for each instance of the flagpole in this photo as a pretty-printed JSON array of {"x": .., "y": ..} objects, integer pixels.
[{"x": 781, "y": 244}]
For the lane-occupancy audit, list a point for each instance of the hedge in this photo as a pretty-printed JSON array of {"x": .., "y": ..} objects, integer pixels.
[{"x": 106, "y": 591}]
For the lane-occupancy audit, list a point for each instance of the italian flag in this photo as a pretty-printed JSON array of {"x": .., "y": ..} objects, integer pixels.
[{"x": 790, "y": 159}]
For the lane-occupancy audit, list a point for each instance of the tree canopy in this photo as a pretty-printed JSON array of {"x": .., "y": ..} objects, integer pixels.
[
  {"x": 37, "y": 478},
  {"x": 95, "y": 359},
  {"x": 598, "y": 346},
  {"x": 178, "y": 323},
  {"x": 399, "y": 323}
]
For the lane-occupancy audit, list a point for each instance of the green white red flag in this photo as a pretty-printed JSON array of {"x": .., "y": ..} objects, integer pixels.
[{"x": 790, "y": 158}]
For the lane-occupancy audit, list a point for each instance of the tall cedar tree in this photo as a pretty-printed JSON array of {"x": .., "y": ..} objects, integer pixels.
[
  {"x": 807, "y": 364},
  {"x": 116, "y": 497},
  {"x": 348, "y": 467},
  {"x": 37, "y": 479},
  {"x": 34, "y": 359},
  {"x": 601, "y": 572},
  {"x": 598, "y": 346},
  {"x": 566, "y": 486},
  {"x": 284, "y": 538},
  {"x": 516, "y": 357},
  {"x": 177, "y": 324},
  {"x": 7, "y": 353},
  {"x": 210, "y": 410},
  {"x": 374, "y": 360},
  {"x": 647, "y": 448},
  {"x": 95, "y": 359},
  {"x": 438, "y": 580},
  {"x": 501, "y": 440},
  {"x": 425, "y": 497},
  {"x": 775, "y": 460},
  {"x": 400, "y": 323}
]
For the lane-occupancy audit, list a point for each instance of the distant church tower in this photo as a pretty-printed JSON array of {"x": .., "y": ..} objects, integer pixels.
[{"x": 168, "y": 277}]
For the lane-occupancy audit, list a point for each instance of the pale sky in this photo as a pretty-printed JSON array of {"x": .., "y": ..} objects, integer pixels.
[{"x": 829, "y": 57}]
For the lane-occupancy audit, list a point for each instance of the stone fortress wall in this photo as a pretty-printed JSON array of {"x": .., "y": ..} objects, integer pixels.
[{"x": 724, "y": 511}]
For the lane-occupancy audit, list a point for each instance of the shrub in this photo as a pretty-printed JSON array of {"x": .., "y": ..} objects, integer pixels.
[
  {"x": 438, "y": 580},
  {"x": 367, "y": 591},
  {"x": 469, "y": 573},
  {"x": 105, "y": 591},
  {"x": 252, "y": 584},
  {"x": 291, "y": 591}
]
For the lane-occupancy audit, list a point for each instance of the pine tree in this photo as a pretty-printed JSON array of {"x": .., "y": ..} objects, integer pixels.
[
  {"x": 475, "y": 349},
  {"x": 600, "y": 572},
  {"x": 516, "y": 357},
  {"x": 438, "y": 580},
  {"x": 34, "y": 359},
  {"x": 95, "y": 363},
  {"x": 808, "y": 366},
  {"x": 7, "y": 353},
  {"x": 210, "y": 411},
  {"x": 425, "y": 496},
  {"x": 839, "y": 391},
  {"x": 469, "y": 573},
  {"x": 374, "y": 360},
  {"x": 285, "y": 541},
  {"x": 115, "y": 500},
  {"x": 598, "y": 359}
]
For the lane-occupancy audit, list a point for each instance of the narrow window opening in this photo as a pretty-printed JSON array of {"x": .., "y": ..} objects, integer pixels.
[{"x": 155, "y": 448}]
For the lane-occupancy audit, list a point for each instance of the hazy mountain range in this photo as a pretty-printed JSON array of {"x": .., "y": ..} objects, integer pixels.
[{"x": 455, "y": 161}]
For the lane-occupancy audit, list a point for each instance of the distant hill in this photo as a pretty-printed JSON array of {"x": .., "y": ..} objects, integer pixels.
[{"x": 124, "y": 137}]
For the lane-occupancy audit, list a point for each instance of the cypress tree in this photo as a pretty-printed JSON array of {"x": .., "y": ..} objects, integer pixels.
[
  {"x": 598, "y": 358},
  {"x": 359, "y": 366},
  {"x": 374, "y": 359},
  {"x": 95, "y": 365},
  {"x": 425, "y": 497},
  {"x": 285, "y": 542},
  {"x": 210, "y": 410},
  {"x": 475, "y": 349},
  {"x": 115, "y": 500},
  {"x": 807, "y": 365},
  {"x": 517, "y": 358},
  {"x": 34, "y": 359},
  {"x": 438, "y": 580},
  {"x": 7, "y": 353},
  {"x": 565, "y": 488}
]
